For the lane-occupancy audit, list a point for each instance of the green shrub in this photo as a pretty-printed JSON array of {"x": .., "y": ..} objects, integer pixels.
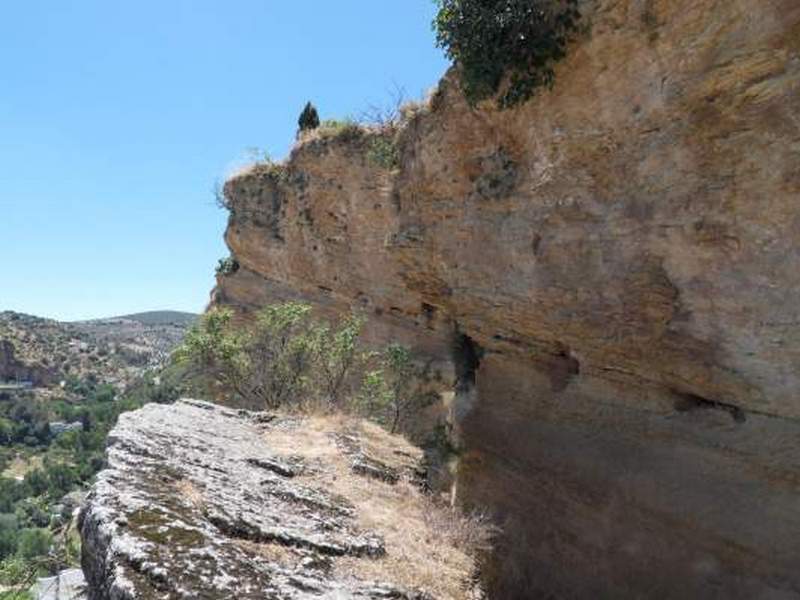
[
  {"x": 32, "y": 512},
  {"x": 285, "y": 358},
  {"x": 60, "y": 479},
  {"x": 36, "y": 481},
  {"x": 16, "y": 595},
  {"x": 34, "y": 542},
  {"x": 103, "y": 393},
  {"x": 392, "y": 393},
  {"x": 382, "y": 151},
  {"x": 16, "y": 577},
  {"x": 227, "y": 266},
  {"x": 309, "y": 118},
  {"x": 257, "y": 162},
  {"x": 273, "y": 170},
  {"x": 9, "y": 534},
  {"x": 511, "y": 41},
  {"x": 341, "y": 129}
]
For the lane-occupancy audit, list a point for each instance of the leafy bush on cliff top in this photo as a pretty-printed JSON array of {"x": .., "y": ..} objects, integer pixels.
[{"x": 506, "y": 46}]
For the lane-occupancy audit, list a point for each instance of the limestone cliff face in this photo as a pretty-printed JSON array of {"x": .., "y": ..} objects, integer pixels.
[{"x": 620, "y": 257}]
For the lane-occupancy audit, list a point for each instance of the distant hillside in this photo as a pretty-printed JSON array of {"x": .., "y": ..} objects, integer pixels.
[
  {"x": 115, "y": 351},
  {"x": 162, "y": 317}
]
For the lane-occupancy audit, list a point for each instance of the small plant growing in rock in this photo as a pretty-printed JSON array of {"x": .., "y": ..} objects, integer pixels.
[
  {"x": 382, "y": 151},
  {"x": 341, "y": 129},
  {"x": 254, "y": 154},
  {"x": 227, "y": 266},
  {"x": 309, "y": 118},
  {"x": 260, "y": 162},
  {"x": 391, "y": 394},
  {"x": 506, "y": 46}
]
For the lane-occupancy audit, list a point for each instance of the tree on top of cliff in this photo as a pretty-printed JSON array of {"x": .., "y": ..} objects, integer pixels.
[
  {"x": 505, "y": 46},
  {"x": 309, "y": 118}
]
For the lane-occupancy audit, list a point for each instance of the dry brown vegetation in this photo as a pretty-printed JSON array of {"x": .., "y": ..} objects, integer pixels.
[
  {"x": 190, "y": 491},
  {"x": 429, "y": 546},
  {"x": 277, "y": 554}
]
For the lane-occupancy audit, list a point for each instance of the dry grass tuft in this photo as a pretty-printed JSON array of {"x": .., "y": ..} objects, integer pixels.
[
  {"x": 191, "y": 492},
  {"x": 268, "y": 168},
  {"x": 273, "y": 553},
  {"x": 474, "y": 531}
]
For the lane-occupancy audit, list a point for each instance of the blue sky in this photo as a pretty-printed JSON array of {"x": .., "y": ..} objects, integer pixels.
[{"x": 116, "y": 119}]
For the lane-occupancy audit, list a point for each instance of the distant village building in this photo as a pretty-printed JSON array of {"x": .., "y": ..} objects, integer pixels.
[{"x": 16, "y": 385}]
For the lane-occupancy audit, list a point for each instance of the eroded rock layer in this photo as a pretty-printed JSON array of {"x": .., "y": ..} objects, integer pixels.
[{"x": 621, "y": 258}]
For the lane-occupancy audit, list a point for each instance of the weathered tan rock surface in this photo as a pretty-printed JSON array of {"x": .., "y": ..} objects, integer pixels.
[{"x": 623, "y": 255}]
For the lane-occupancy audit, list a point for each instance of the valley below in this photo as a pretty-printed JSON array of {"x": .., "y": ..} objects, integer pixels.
[{"x": 62, "y": 387}]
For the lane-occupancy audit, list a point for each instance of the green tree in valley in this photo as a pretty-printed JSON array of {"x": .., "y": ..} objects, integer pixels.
[
  {"x": 34, "y": 542},
  {"x": 9, "y": 534}
]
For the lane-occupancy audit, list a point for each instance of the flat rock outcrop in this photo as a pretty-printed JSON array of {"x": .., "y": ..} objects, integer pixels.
[
  {"x": 201, "y": 502},
  {"x": 616, "y": 264}
]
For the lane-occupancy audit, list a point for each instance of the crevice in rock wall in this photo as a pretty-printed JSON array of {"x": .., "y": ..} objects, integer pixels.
[
  {"x": 428, "y": 315},
  {"x": 563, "y": 368},
  {"x": 467, "y": 356},
  {"x": 686, "y": 402}
]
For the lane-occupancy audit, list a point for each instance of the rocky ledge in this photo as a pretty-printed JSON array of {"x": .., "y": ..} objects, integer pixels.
[{"x": 204, "y": 502}]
